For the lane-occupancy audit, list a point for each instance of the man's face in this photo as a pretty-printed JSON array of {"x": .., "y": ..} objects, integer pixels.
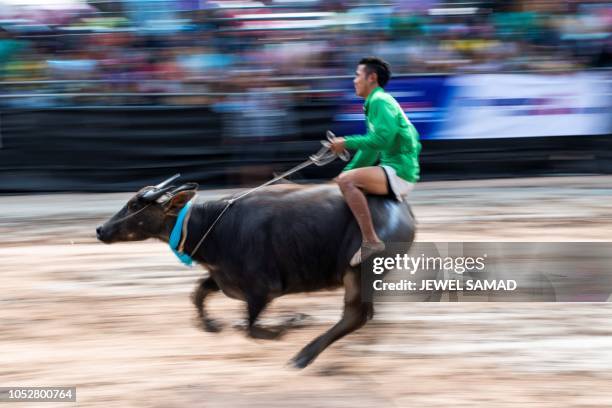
[{"x": 363, "y": 82}]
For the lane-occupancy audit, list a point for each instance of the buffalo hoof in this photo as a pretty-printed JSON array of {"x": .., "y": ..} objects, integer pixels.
[
  {"x": 257, "y": 332},
  {"x": 211, "y": 325},
  {"x": 300, "y": 362},
  {"x": 303, "y": 358}
]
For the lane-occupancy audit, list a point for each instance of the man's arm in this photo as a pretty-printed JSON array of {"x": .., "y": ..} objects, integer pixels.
[
  {"x": 385, "y": 128},
  {"x": 363, "y": 158}
]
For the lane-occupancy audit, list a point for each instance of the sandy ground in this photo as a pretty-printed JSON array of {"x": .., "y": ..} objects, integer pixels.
[{"x": 117, "y": 323}]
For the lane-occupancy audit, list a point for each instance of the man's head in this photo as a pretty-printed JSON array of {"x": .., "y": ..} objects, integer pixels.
[{"x": 371, "y": 72}]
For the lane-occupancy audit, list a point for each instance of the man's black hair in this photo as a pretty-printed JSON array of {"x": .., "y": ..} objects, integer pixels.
[{"x": 381, "y": 67}]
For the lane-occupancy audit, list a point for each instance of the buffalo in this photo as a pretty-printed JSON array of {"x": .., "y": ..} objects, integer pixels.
[{"x": 281, "y": 239}]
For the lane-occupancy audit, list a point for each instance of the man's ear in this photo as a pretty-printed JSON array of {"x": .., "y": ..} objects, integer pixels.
[
  {"x": 178, "y": 201},
  {"x": 374, "y": 76}
]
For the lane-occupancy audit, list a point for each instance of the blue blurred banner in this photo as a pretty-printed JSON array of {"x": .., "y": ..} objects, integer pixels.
[{"x": 497, "y": 106}]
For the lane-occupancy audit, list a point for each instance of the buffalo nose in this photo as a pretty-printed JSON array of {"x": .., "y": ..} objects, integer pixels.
[{"x": 98, "y": 232}]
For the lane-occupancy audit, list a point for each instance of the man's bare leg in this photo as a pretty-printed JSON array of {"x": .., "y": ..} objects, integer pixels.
[{"x": 353, "y": 184}]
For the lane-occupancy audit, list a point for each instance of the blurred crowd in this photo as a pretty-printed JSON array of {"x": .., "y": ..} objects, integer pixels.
[{"x": 192, "y": 51}]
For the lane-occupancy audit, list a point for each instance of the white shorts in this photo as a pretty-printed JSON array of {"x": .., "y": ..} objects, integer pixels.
[{"x": 398, "y": 186}]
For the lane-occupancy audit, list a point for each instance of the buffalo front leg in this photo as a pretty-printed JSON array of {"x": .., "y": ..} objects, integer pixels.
[
  {"x": 255, "y": 305},
  {"x": 356, "y": 313},
  {"x": 205, "y": 287}
]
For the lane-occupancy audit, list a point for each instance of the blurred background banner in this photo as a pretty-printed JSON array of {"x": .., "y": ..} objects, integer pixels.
[
  {"x": 523, "y": 105},
  {"x": 497, "y": 106}
]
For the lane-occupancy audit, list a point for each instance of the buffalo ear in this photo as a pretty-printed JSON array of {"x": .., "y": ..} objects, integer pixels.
[{"x": 178, "y": 201}]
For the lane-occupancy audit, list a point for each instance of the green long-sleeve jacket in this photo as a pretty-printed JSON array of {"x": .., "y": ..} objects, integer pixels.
[{"x": 391, "y": 134}]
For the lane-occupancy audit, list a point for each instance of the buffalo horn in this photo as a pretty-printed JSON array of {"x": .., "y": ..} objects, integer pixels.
[
  {"x": 154, "y": 194},
  {"x": 160, "y": 189},
  {"x": 185, "y": 187},
  {"x": 167, "y": 181}
]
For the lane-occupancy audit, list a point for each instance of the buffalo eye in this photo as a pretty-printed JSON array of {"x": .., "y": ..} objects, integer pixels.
[{"x": 133, "y": 206}]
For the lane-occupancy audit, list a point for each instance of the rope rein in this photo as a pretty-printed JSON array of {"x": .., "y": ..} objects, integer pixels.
[
  {"x": 132, "y": 214},
  {"x": 210, "y": 228}
]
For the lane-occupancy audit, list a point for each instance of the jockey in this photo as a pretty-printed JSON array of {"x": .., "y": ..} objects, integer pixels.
[{"x": 387, "y": 158}]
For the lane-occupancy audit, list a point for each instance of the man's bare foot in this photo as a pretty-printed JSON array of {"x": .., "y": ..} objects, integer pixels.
[{"x": 367, "y": 250}]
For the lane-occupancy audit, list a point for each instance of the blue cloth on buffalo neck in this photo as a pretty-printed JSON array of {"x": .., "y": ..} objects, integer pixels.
[{"x": 177, "y": 233}]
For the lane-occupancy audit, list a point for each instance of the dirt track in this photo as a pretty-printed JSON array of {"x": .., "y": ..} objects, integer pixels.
[{"x": 117, "y": 323}]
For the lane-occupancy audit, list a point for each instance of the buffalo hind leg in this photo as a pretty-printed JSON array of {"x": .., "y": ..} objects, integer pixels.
[
  {"x": 205, "y": 287},
  {"x": 256, "y": 305},
  {"x": 355, "y": 314}
]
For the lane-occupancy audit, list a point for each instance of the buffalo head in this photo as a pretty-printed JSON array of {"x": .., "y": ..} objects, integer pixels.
[{"x": 150, "y": 213}]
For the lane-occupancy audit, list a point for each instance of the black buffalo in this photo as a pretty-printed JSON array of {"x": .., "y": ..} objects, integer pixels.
[{"x": 282, "y": 239}]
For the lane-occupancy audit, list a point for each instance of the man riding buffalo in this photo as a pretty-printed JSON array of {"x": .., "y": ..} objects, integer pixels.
[{"x": 391, "y": 136}]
